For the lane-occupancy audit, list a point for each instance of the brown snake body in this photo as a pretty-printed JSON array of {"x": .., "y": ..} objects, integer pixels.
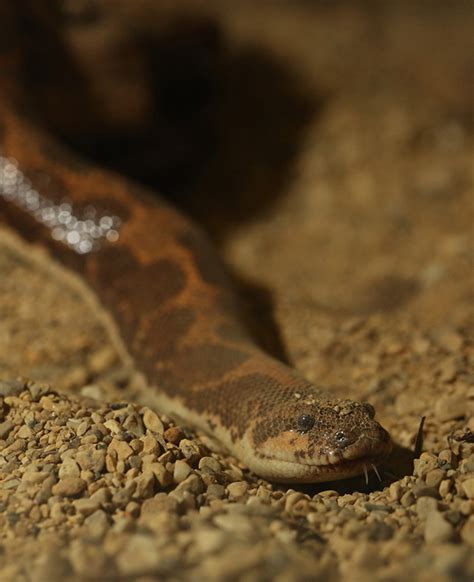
[{"x": 163, "y": 283}]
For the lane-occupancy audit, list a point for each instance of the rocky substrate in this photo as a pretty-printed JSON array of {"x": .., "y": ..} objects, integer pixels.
[{"x": 96, "y": 491}]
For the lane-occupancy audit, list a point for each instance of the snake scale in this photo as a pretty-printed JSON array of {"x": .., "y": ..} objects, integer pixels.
[{"x": 162, "y": 281}]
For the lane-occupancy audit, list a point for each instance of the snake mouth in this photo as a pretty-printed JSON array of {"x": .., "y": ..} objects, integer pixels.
[
  {"x": 331, "y": 466},
  {"x": 349, "y": 468},
  {"x": 331, "y": 472},
  {"x": 355, "y": 460}
]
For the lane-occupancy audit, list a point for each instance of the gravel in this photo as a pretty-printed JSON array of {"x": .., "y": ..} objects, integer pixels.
[{"x": 110, "y": 516}]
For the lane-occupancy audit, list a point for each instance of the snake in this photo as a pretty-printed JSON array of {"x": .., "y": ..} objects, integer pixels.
[{"x": 168, "y": 291}]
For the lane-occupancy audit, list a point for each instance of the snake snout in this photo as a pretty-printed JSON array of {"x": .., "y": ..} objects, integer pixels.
[
  {"x": 343, "y": 438},
  {"x": 369, "y": 441}
]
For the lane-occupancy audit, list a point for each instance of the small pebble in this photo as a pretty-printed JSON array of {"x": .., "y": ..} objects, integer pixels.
[
  {"x": 121, "y": 448},
  {"x": 437, "y": 529},
  {"x": 5, "y": 428},
  {"x": 69, "y": 468},
  {"x": 173, "y": 434},
  {"x": 468, "y": 487},
  {"x": 451, "y": 407},
  {"x": 425, "y": 506},
  {"x": 11, "y": 387},
  {"x": 139, "y": 557},
  {"x": 193, "y": 484},
  {"x": 86, "y": 506},
  {"x": 152, "y": 422},
  {"x": 395, "y": 491},
  {"x": 97, "y": 524},
  {"x": 215, "y": 490},
  {"x": 407, "y": 499},
  {"x": 69, "y": 487},
  {"x": 237, "y": 489},
  {"x": 209, "y": 465},
  {"x": 181, "y": 471},
  {"x": 445, "y": 487},
  {"x": 434, "y": 477},
  {"x": 234, "y": 523}
]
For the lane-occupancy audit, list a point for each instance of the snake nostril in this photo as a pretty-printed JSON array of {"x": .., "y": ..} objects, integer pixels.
[{"x": 342, "y": 439}]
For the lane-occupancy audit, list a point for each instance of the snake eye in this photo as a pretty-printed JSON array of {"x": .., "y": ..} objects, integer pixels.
[{"x": 305, "y": 422}]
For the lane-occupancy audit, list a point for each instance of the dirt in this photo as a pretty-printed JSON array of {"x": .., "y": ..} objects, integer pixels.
[{"x": 346, "y": 128}]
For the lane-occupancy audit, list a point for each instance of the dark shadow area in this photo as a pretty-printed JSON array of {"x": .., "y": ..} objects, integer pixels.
[
  {"x": 172, "y": 134},
  {"x": 261, "y": 112},
  {"x": 224, "y": 129},
  {"x": 397, "y": 466},
  {"x": 257, "y": 312}
]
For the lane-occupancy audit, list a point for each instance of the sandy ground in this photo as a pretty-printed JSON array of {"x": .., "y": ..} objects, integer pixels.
[{"x": 351, "y": 147}]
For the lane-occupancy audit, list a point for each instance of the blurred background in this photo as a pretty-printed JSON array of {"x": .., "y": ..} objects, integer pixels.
[
  {"x": 216, "y": 99},
  {"x": 325, "y": 145}
]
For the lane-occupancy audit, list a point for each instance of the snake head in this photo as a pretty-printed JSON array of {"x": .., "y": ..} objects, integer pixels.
[{"x": 309, "y": 438}]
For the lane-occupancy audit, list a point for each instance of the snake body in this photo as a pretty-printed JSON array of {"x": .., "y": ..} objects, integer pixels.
[{"x": 165, "y": 286}]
